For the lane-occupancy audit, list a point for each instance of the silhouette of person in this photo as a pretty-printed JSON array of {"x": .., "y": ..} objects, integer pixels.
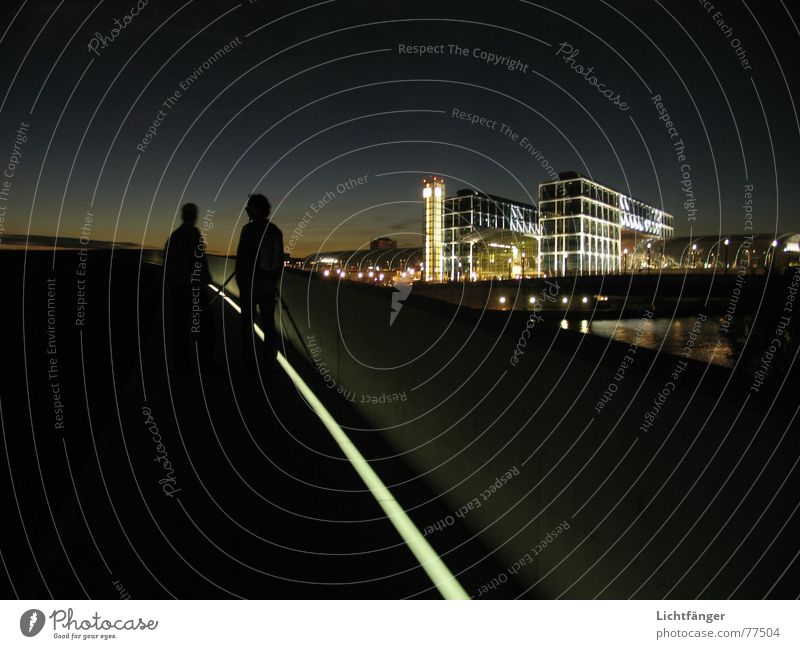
[
  {"x": 259, "y": 263},
  {"x": 186, "y": 274}
]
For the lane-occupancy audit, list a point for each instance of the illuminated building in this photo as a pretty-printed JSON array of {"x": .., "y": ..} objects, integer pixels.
[
  {"x": 433, "y": 195},
  {"x": 589, "y": 228},
  {"x": 580, "y": 227},
  {"x": 486, "y": 237}
]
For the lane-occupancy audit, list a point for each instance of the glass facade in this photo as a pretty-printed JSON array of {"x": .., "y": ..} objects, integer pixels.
[
  {"x": 588, "y": 228},
  {"x": 485, "y": 237},
  {"x": 581, "y": 227}
]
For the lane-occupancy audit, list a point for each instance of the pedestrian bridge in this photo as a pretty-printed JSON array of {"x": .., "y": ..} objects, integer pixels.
[{"x": 398, "y": 453}]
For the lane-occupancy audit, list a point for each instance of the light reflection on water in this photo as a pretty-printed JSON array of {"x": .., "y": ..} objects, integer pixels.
[{"x": 656, "y": 330}]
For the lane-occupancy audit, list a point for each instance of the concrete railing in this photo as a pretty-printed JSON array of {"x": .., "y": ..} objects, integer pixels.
[
  {"x": 441, "y": 387},
  {"x": 591, "y": 433}
]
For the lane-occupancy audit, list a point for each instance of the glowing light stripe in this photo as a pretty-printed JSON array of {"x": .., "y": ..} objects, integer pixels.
[{"x": 444, "y": 581}]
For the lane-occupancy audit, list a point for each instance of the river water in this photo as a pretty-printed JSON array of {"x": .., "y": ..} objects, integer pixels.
[{"x": 668, "y": 335}]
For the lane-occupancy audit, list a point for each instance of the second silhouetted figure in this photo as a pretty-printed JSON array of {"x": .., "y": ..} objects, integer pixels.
[
  {"x": 259, "y": 263},
  {"x": 187, "y": 276}
]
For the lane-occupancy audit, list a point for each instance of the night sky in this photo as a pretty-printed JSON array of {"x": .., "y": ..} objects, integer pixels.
[{"x": 311, "y": 95}]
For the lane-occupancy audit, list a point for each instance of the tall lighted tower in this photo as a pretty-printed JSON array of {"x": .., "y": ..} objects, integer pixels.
[{"x": 433, "y": 194}]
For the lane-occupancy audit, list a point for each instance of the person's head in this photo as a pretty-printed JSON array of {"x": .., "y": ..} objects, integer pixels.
[
  {"x": 258, "y": 207},
  {"x": 189, "y": 213}
]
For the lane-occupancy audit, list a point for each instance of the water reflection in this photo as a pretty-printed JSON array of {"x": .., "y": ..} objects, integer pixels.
[{"x": 670, "y": 336}]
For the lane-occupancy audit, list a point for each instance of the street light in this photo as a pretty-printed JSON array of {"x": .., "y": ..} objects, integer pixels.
[
  {"x": 624, "y": 260},
  {"x": 747, "y": 252},
  {"x": 771, "y": 249},
  {"x": 711, "y": 252},
  {"x": 649, "y": 246},
  {"x": 727, "y": 243},
  {"x": 684, "y": 255}
]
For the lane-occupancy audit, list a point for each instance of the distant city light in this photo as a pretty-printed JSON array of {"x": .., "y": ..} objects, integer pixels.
[
  {"x": 585, "y": 300},
  {"x": 502, "y": 300},
  {"x": 326, "y": 273},
  {"x": 563, "y": 300},
  {"x": 532, "y": 300}
]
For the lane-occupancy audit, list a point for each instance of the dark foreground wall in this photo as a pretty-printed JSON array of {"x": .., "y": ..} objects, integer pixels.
[
  {"x": 686, "y": 494},
  {"x": 588, "y": 467}
]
